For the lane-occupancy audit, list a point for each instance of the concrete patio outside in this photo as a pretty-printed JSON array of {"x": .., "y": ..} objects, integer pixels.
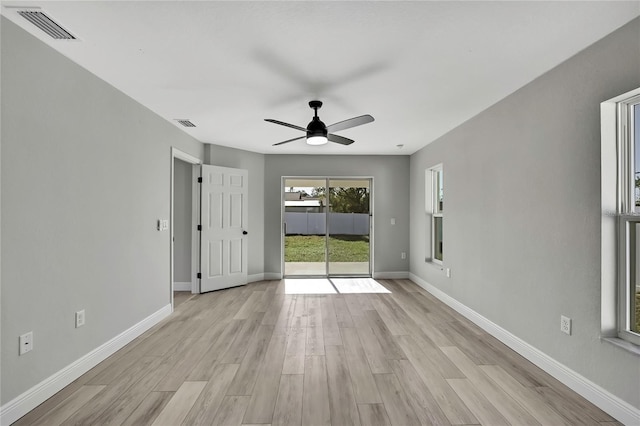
[{"x": 319, "y": 268}]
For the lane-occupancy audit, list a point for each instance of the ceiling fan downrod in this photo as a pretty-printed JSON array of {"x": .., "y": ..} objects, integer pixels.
[
  {"x": 315, "y": 105},
  {"x": 316, "y": 129}
]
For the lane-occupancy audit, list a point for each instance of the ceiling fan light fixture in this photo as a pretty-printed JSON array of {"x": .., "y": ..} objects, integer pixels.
[
  {"x": 316, "y": 129},
  {"x": 317, "y": 140}
]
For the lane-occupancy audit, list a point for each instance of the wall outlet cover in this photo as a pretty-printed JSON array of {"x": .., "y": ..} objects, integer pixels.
[
  {"x": 79, "y": 318},
  {"x": 26, "y": 343},
  {"x": 565, "y": 324}
]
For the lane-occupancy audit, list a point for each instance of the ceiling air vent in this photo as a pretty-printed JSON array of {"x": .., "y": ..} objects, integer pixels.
[
  {"x": 186, "y": 123},
  {"x": 46, "y": 24}
]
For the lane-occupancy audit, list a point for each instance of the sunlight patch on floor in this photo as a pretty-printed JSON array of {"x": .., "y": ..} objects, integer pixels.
[
  {"x": 329, "y": 286},
  {"x": 358, "y": 285},
  {"x": 308, "y": 286}
]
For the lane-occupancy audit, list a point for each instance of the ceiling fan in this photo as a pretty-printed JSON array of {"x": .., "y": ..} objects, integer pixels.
[{"x": 317, "y": 133}]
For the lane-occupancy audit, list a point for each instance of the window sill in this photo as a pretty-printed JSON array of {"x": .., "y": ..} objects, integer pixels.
[
  {"x": 627, "y": 346},
  {"x": 434, "y": 264}
]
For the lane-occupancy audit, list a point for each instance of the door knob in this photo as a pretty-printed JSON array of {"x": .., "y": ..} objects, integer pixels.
[{"x": 244, "y": 232}]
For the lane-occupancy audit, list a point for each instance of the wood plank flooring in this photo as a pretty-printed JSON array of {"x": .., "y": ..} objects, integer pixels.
[{"x": 255, "y": 355}]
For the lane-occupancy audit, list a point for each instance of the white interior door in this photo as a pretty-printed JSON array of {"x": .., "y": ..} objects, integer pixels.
[{"x": 223, "y": 239}]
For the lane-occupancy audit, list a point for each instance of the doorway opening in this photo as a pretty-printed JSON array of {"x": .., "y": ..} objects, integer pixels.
[
  {"x": 327, "y": 224},
  {"x": 185, "y": 212},
  {"x": 182, "y": 234}
]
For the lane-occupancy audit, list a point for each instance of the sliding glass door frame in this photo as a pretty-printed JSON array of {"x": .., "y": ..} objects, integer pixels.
[{"x": 327, "y": 211}]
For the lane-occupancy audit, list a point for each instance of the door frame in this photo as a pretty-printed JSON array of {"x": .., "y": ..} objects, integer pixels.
[
  {"x": 371, "y": 222},
  {"x": 195, "y": 209}
]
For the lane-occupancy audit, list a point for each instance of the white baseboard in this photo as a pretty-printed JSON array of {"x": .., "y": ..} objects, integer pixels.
[
  {"x": 255, "y": 278},
  {"x": 605, "y": 400},
  {"x": 182, "y": 286},
  {"x": 268, "y": 276},
  {"x": 22, "y": 404},
  {"x": 395, "y": 275}
]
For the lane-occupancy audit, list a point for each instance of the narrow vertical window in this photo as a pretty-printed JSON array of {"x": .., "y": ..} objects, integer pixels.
[
  {"x": 633, "y": 301},
  {"x": 629, "y": 224},
  {"x": 435, "y": 209}
]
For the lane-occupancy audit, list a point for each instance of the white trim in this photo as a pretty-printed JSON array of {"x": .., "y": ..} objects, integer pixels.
[
  {"x": 27, "y": 401},
  {"x": 184, "y": 286},
  {"x": 608, "y": 240},
  {"x": 611, "y": 404},
  {"x": 176, "y": 153},
  {"x": 393, "y": 275},
  {"x": 627, "y": 346},
  {"x": 428, "y": 191},
  {"x": 195, "y": 202},
  {"x": 253, "y": 278},
  {"x": 195, "y": 221},
  {"x": 624, "y": 96},
  {"x": 270, "y": 276}
]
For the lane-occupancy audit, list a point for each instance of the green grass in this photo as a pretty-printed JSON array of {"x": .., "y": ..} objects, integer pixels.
[{"x": 310, "y": 248}]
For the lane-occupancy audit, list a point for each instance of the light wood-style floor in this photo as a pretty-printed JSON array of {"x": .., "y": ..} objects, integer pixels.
[{"x": 254, "y": 355}]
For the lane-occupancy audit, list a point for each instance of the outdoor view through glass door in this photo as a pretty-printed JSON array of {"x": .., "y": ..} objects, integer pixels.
[{"x": 327, "y": 223}]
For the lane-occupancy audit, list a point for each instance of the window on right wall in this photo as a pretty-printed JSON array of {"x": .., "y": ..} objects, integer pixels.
[
  {"x": 434, "y": 206},
  {"x": 629, "y": 219},
  {"x": 621, "y": 199}
]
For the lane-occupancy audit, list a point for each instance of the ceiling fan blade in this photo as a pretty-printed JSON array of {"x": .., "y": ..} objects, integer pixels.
[
  {"x": 282, "y": 123},
  {"x": 339, "y": 139},
  {"x": 352, "y": 122},
  {"x": 289, "y": 140}
]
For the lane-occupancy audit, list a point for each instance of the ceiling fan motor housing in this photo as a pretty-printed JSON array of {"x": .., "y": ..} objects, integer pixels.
[{"x": 316, "y": 128}]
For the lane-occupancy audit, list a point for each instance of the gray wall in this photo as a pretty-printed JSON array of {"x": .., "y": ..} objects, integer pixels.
[
  {"x": 522, "y": 219},
  {"x": 390, "y": 198},
  {"x": 85, "y": 175},
  {"x": 182, "y": 217},
  {"x": 217, "y": 155}
]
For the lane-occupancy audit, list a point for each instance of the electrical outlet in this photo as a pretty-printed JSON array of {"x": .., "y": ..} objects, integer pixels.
[
  {"x": 565, "y": 325},
  {"x": 79, "y": 318},
  {"x": 448, "y": 272},
  {"x": 403, "y": 255},
  {"x": 26, "y": 343}
]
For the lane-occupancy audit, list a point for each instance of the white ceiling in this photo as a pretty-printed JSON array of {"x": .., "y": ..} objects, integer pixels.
[{"x": 420, "y": 68}]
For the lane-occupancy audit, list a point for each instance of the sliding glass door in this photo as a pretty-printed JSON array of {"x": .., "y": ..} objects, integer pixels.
[
  {"x": 304, "y": 227},
  {"x": 326, "y": 227},
  {"x": 348, "y": 228}
]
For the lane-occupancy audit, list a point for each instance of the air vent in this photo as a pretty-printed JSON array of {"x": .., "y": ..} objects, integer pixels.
[
  {"x": 46, "y": 24},
  {"x": 185, "y": 123}
]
